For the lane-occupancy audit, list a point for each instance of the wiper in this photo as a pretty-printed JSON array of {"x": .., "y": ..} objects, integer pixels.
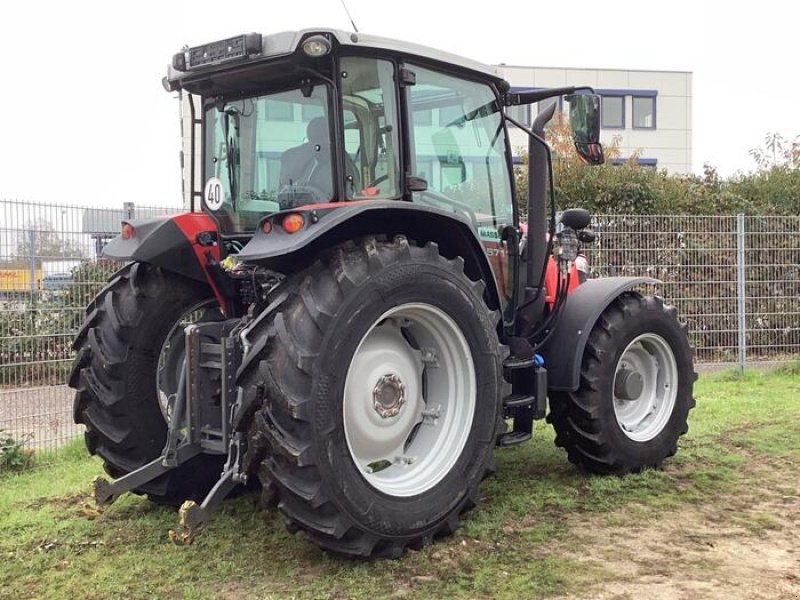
[
  {"x": 486, "y": 110},
  {"x": 231, "y": 150}
]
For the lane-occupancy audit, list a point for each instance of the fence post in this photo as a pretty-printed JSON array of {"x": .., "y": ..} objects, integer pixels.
[
  {"x": 32, "y": 260},
  {"x": 130, "y": 210},
  {"x": 740, "y": 290}
]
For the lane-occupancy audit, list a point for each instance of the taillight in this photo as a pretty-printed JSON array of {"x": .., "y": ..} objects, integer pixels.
[
  {"x": 293, "y": 222},
  {"x": 128, "y": 231}
]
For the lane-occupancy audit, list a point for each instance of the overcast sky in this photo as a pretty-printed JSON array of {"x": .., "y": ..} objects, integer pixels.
[{"x": 86, "y": 121}]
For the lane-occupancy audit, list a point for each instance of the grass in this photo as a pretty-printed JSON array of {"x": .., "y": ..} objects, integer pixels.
[{"x": 519, "y": 542}]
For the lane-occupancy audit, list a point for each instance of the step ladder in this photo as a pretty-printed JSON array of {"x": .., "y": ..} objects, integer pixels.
[{"x": 527, "y": 400}]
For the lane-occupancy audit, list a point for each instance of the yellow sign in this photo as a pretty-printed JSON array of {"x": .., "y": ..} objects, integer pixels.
[{"x": 19, "y": 280}]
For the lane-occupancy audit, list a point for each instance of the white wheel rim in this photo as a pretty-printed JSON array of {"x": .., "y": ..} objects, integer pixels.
[
  {"x": 409, "y": 399},
  {"x": 644, "y": 415}
]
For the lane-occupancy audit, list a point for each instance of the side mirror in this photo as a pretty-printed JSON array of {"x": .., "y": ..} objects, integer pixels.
[{"x": 584, "y": 117}]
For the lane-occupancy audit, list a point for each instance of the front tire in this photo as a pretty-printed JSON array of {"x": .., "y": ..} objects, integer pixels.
[
  {"x": 381, "y": 377},
  {"x": 635, "y": 389}
]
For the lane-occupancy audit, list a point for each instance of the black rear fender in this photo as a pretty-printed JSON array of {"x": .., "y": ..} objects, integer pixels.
[{"x": 327, "y": 225}]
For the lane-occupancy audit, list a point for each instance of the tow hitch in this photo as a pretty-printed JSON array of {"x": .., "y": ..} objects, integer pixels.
[{"x": 205, "y": 405}]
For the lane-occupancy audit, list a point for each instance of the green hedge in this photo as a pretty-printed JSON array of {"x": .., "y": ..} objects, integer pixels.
[
  {"x": 772, "y": 189},
  {"x": 631, "y": 189},
  {"x": 37, "y": 331}
]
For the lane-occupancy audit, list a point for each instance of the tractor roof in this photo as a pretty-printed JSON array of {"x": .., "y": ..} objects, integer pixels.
[{"x": 286, "y": 43}]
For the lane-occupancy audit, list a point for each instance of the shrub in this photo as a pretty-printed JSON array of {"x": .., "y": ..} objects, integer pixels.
[
  {"x": 774, "y": 189},
  {"x": 37, "y": 332},
  {"x": 14, "y": 456}
]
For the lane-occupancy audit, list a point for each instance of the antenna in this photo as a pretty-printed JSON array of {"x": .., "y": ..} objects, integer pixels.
[{"x": 353, "y": 23}]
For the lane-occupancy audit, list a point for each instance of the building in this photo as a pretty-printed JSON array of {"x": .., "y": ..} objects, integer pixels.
[{"x": 650, "y": 111}]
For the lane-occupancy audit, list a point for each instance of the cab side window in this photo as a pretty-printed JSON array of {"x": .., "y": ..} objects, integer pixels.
[{"x": 459, "y": 147}]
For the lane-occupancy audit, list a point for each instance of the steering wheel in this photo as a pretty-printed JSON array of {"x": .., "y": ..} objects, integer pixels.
[
  {"x": 376, "y": 181},
  {"x": 372, "y": 184},
  {"x": 437, "y": 196}
]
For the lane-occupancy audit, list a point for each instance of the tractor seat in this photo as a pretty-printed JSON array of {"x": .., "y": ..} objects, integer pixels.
[{"x": 307, "y": 170}]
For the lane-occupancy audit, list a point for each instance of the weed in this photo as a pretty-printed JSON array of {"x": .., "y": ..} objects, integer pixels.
[
  {"x": 790, "y": 368},
  {"x": 14, "y": 456}
]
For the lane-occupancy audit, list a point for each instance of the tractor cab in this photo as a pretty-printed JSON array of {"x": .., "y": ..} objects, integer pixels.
[
  {"x": 318, "y": 117},
  {"x": 324, "y": 116},
  {"x": 314, "y": 122}
]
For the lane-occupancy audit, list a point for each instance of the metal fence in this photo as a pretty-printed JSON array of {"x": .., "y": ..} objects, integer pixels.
[
  {"x": 735, "y": 280},
  {"x": 49, "y": 271}
]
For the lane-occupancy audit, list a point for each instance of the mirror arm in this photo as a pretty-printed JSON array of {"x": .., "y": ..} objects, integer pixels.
[{"x": 517, "y": 98}]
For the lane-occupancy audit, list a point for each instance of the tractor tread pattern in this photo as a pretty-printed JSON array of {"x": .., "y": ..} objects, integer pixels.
[
  {"x": 285, "y": 422},
  {"x": 105, "y": 370},
  {"x": 580, "y": 418}
]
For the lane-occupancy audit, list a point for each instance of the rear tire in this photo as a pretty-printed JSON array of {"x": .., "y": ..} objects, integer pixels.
[
  {"x": 618, "y": 423},
  {"x": 115, "y": 375},
  {"x": 334, "y": 364}
]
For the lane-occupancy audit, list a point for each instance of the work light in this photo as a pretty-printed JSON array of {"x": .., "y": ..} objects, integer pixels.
[{"x": 316, "y": 46}]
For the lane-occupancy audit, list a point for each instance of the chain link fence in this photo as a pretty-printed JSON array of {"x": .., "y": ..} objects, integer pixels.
[{"x": 735, "y": 280}]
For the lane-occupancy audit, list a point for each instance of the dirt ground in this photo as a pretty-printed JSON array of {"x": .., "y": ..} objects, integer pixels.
[{"x": 744, "y": 546}]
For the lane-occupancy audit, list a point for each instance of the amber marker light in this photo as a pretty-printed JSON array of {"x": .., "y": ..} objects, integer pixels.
[
  {"x": 292, "y": 223},
  {"x": 266, "y": 226},
  {"x": 128, "y": 231}
]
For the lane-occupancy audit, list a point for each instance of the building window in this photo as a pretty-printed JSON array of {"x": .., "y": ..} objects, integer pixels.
[
  {"x": 520, "y": 113},
  {"x": 277, "y": 110},
  {"x": 645, "y": 163},
  {"x": 612, "y": 112},
  {"x": 644, "y": 113},
  {"x": 423, "y": 118}
]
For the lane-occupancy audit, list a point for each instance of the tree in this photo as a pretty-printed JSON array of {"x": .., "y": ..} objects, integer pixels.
[
  {"x": 47, "y": 244},
  {"x": 567, "y": 164},
  {"x": 774, "y": 188},
  {"x": 777, "y": 152}
]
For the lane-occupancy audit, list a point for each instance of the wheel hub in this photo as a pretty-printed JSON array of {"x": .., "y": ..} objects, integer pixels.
[
  {"x": 645, "y": 387},
  {"x": 173, "y": 352},
  {"x": 628, "y": 385},
  {"x": 389, "y": 396}
]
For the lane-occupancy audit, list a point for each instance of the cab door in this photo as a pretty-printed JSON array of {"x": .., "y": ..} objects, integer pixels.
[{"x": 457, "y": 142}]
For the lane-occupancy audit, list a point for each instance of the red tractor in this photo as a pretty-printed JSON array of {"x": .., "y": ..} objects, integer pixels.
[{"x": 349, "y": 314}]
